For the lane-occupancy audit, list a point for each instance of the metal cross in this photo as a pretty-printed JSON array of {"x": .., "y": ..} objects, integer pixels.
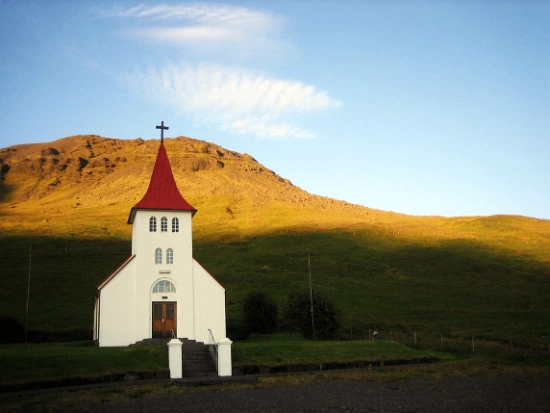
[{"x": 162, "y": 128}]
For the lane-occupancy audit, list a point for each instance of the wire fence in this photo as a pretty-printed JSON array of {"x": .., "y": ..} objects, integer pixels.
[{"x": 462, "y": 344}]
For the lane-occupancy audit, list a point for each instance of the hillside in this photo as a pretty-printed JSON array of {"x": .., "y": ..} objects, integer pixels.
[
  {"x": 70, "y": 199},
  {"x": 83, "y": 175}
]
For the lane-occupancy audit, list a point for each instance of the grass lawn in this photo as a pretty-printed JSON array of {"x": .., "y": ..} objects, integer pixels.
[
  {"x": 293, "y": 350},
  {"x": 66, "y": 360},
  {"x": 82, "y": 359}
]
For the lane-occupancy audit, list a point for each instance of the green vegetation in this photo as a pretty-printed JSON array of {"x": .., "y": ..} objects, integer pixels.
[
  {"x": 459, "y": 287},
  {"x": 289, "y": 349},
  {"x": 325, "y": 323},
  {"x": 260, "y": 312},
  {"x": 393, "y": 282},
  {"x": 57, "y": 361},
  {"x": 81, "y": 359}
]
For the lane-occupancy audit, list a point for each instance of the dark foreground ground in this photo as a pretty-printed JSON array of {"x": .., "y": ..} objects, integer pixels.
[{"x": 505, "y": 394}]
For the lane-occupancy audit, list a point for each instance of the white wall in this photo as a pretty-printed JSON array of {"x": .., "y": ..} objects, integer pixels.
[
  {"x": 117, "y": 307},
  {"x": 209, "y": 305},
  {"x": 125, "y": 301}
]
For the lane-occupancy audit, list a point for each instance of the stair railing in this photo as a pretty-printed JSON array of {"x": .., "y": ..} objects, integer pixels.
[
  {"x": 173, "y": 334},
  {"x": 213, "y": 348}
]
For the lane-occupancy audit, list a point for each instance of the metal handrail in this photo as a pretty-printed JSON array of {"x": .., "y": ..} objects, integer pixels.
[
  {"x": 213, "y": 347},
  {"x": 173, "y": 334}
]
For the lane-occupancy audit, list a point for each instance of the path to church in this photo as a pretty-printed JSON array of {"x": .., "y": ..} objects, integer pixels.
[{"x": 504, "y": 394}]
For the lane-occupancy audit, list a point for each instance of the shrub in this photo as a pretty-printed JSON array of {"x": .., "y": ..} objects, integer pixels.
[
  {"x": 260, "y": 312},
  {"x": 12, "y": 330},
  {"x": 327, "y": 316}
]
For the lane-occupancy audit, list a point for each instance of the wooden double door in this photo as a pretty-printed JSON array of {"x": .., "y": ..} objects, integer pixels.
[{"x": 164, "y": 319}]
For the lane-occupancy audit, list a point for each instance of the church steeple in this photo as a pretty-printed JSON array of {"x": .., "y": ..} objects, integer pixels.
[{"x": 163, "y": 193}]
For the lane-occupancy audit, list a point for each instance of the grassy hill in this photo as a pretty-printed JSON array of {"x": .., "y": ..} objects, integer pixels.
[{"x": 70, "y": 200}]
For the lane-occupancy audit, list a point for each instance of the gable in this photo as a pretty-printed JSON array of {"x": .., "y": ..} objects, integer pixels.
[{"x": 114, "y": 273}]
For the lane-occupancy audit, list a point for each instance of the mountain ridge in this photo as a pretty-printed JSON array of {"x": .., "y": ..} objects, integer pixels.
[
  {"x": 92, "y": 172},
  {"x": 79, "y": 158},
  {"x": 50, "y": 186}
]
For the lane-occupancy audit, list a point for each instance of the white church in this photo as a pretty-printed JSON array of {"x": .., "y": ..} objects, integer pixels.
[{"x": 160, "y": 290}]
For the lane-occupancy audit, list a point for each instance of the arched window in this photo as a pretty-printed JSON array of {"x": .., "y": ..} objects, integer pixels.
[
  {"x": 158, "y": 256},
  {"x": 164, "y": 224},
  {"x": 169, "y": 256},
  {"x": 164, "y": 287},
  {"x": 152, "y": 224},
  {"x": 175, "y": 225}
]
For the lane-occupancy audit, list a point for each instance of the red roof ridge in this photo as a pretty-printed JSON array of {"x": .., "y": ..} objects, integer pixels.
[{"x": 163, "y": 193}]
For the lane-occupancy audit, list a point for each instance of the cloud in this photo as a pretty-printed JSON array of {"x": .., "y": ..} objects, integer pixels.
[
  {"x": 196, "y": 22},
  {"x": 235, "y": 100}
]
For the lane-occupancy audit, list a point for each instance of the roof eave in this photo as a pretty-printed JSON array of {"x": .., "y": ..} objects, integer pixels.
[
  {"x": 134, "y": 210},
  {"x": 114, "y": 273}
]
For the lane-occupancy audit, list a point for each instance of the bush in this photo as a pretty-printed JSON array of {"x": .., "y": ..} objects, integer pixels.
[
  {"x": 260, "y": 312},
  {"x": 12, "y": 330},
  {"x": 327, "y": 316}
]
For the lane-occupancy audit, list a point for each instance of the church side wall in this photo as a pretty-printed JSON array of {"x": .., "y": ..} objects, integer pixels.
[
  {"x": 117, "y": 306},
  {"x": 209, "y": 305}
]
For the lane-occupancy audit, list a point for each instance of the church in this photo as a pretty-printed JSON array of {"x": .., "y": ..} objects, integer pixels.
[{"x": 160, "y": 291}]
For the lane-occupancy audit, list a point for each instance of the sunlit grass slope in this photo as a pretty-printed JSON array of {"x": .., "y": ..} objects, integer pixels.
[{"x": 70, "y": 200}]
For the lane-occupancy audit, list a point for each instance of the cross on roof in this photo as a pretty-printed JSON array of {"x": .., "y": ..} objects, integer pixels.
[{"x": 162, "y": 128}]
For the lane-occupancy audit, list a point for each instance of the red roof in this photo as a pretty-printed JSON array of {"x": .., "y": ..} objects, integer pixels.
[{"x": 163, "y": 193}]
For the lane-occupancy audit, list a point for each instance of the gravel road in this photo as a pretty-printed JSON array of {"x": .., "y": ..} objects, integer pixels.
[{"x": 504, "y": 394}]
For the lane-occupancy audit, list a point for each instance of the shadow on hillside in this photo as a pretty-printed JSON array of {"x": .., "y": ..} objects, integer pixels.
[
  {"x": 368, "y": 250},
  {"x": 459, "y": 283},
  {"x": 378, "y": 276},
  {"x": 5, "y": 190},
  {"x": 64, "y": 274}
]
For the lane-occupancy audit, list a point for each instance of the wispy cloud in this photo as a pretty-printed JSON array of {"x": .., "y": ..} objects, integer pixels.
[
  {"x": 233, "y": 99},
  {"x": 193, "y": 22}
]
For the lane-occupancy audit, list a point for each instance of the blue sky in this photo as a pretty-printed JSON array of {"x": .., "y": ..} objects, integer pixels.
[{"x": 418, "y": 107}]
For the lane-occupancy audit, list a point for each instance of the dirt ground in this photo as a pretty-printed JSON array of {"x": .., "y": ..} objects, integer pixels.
[{"x": 501, "y": 394}]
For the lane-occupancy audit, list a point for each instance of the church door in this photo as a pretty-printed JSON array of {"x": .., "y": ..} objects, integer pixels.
[{"x": 164, "y": 319}]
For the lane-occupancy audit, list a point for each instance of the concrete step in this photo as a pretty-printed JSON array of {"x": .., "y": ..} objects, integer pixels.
[
  {"x": 164, "y": 341},
  {"x": 196, "y": 358}
]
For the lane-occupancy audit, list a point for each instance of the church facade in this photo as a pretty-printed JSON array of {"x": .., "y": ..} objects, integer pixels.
[{"x": 160, "y": 290}]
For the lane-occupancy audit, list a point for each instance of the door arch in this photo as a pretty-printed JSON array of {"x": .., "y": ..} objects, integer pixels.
[{"x": 164, "y": 309}]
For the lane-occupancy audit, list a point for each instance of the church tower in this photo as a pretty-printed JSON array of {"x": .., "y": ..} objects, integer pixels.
[{"x": 160, "y": 291}]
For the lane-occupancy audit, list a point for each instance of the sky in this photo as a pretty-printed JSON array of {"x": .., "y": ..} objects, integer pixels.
[{"x": 416, "y": 107}]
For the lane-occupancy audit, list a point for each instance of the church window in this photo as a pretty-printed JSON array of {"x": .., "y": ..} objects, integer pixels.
[
  {"x": 175, "y": 225},
  {"x": 169, "y": 256},
  {"x": 164, "y": 287},
  {"x": 164, "y": 224},
  {"x": 152, "y": 224},
  {"x": 158, "y": 256}
]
